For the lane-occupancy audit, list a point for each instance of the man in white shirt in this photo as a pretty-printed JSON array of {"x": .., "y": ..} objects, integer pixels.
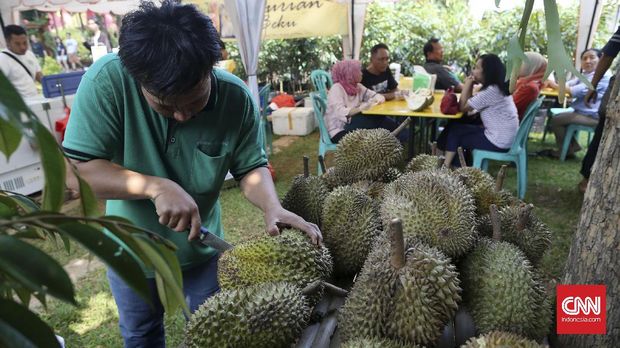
[
  {"x": 72, "y": 51},
  {"x": 19, "y": 64}
]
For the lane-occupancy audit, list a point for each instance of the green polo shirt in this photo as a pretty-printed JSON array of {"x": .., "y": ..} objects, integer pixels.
[{"x": 110, "y": 119}]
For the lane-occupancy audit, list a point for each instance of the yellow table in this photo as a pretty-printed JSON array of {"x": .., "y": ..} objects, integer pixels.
[
  {"x": 554, "y": 93},
  {"x": 399, "y": 108}
]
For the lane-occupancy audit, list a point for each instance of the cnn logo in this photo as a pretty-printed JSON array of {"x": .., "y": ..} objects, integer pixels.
[
  {"x": 580, "y": 309},
  {"x": 577, "y": 305}
]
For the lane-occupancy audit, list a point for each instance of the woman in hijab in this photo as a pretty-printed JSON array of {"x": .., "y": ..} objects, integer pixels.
[
  {"x": 347, "y": 98},
  {"x": 530, "y": 81}
]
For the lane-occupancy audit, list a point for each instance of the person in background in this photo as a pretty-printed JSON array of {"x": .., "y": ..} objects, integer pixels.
[
  {"x": 225, "y": 63},
  {"x": 584, "y": 114},
  {"x": 348, "y": 98},
  {"x": 530, "y": 81},
  {"x": 433, "y": 52},
  {"x": 498, "y": 112},
  {"x": 99, "y": 37},
  {"x": 61, "y": 53},
  {"x": 154, "y": 130},
  {"x": 19, "y": 64},
  {"x": 610, "y": 52},
  {"x": 377, "y": 76},
  {"x": 72, "y": 52},
  {"x": 37, "y": 47}
]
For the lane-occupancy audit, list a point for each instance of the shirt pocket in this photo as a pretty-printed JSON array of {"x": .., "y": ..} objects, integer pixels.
[{"x": 210, "y": 165}]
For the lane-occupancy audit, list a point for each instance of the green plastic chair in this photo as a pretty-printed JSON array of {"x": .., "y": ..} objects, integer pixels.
[
  {"x": 263, "y": 95},
  {"x": 325, "y": 142},
  {"x": 572, "y": 131},
  {"x": 517, "y": 152},
  {"x": 322, "y": 81}
]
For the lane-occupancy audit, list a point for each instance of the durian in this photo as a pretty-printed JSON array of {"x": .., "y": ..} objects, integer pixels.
[
  {"x": 306, "y": 196},
  {"x": 424, "y": 162},
  {"x": 375, "y": 343},
  {"x": 289, "y": 257},
  {"x": 406, "y": 291},
  {"x": 266, "y": 315},
  {"x": 435, "y": 208},
  {"x": 484, "y": 189},
  {"x": 498, "y": 339},
  {"x": 351, "y": 221},
  {"x": 367, "y": 154}
]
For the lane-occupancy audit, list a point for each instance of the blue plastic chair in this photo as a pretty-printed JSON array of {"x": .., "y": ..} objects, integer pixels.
[
  {"x": 322, "y": 81},
  {"x": 572, "y": 131},
  {"x": 263, "y": 95},
  {"x": 325, "y": 142},
  {"x": 517, "y": 152}
]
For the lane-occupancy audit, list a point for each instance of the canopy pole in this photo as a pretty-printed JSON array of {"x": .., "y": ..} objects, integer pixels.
[{"x": 352, "y": 29}]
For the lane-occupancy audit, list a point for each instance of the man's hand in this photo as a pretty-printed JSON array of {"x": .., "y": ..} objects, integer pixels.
[
  {"x": 590, "y": 98},
  {"x": 176, "y": 208},
  {"x": 281, "y": 216}
]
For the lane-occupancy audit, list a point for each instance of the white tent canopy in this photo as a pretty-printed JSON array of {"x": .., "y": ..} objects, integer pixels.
[{"x": 589, "y": 16}]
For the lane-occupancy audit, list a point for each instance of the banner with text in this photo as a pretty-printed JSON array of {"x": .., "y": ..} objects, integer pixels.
[{"x": 286, "y": 19}]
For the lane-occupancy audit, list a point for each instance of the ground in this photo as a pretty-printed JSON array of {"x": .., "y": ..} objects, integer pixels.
[{"x": 552, "y": 188}]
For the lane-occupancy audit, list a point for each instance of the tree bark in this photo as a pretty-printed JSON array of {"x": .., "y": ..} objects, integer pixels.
[{"x": 594, "y": 257}]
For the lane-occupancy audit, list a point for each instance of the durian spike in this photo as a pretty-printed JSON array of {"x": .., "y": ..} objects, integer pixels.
[
  {"x": 461, "y": 157},
  {"x": 501, "y": 175},
  {"x": 402, "y": 126},
  {"x": 306, "y": 167},
  {"x": 495, "y": 222},
  {"x": 434, "y": 148},
  {"x": 397, "y": 259},
  {"x": 322, "y": 164},
  {"x": 524, "y": 216}
]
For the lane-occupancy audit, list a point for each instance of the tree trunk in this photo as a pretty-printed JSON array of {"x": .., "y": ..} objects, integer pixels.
[{"x": 594, "y": 257}]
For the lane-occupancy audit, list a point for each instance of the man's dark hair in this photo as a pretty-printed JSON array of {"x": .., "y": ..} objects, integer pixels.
[
  {"x": 494, "y": 73},
  {"x": 377, "y": 47},
  {"x": 12, "y": 29},
  {"x": 168, "y": 49},
  {"x": 222, "y": 44},
  {"x": 428, "y": 46}
]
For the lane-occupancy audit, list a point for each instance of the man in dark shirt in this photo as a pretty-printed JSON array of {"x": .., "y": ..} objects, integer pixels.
[
  {"x": 433, "y": 51},
  {"x": 377, "y": 75},
  {"x": 610, "y": 52}
]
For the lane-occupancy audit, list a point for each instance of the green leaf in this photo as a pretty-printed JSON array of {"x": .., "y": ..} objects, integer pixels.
[
  {"x": 88, "y": 202},
  {"x": 111, "y": 253},
  {"x": 10, "y": 137},
  {"x": 20, "y": 327},
  {"x": 128, "y": 226},
  {"x": 34, "y": 269},
  {"x": 23, "y": 294},
  {"x": 559, "y": 60},
  {"x": 8, "y": 207},
  {"x": 53, "y": 163},
  {"x": 24, "y": 202},
  {"x": 158, "y": 257}
]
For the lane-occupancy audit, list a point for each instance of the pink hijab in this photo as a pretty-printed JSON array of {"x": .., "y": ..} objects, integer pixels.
[{"x": 348, "y": 73}]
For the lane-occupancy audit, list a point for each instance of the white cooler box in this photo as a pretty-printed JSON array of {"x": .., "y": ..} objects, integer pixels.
[{"x": 293, "y": 121}]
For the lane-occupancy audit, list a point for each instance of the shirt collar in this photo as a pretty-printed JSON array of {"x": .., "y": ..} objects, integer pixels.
[
  {"x": 213, "y": 95},
  {"x": 433, "y": 61}
]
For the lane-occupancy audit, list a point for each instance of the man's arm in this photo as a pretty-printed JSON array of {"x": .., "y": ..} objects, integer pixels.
[
  {"x": 257, "y": 186},
  {"x": 175, "y": 207},
  {"x": 38, "y": 76}
]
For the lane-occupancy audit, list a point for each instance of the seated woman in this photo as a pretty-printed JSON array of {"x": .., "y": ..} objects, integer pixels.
[
  {"x": 497, "y": 111},
  {"x": 347, "y": 98},
  {"x": 583, "y": 114},
  {"x": 530, "y": 81}
]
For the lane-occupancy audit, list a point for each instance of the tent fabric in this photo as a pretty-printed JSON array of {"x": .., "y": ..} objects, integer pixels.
[
  {"x": 247, "y": 18},
  {"x": 356, "y": 21},
  {"x": 589, "y": 16}
]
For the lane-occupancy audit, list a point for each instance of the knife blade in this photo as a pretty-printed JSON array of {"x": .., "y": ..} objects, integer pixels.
[{"x": 209, "y": 239}]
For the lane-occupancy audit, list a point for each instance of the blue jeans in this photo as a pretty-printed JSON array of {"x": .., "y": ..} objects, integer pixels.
[{"x": 142, "y": 324}]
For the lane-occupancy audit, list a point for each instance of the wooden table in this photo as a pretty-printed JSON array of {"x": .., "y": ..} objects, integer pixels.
[{"x": 399, "y": 108}]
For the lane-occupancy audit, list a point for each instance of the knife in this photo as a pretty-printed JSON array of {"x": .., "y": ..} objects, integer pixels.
[{"x": 209, "y": 239}]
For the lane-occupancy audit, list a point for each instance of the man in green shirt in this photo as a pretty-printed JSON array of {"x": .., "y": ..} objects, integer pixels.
[{"x": 154, "y": 131}]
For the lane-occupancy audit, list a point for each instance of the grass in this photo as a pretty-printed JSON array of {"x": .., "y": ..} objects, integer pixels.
[{"x": 551, "y": 188}]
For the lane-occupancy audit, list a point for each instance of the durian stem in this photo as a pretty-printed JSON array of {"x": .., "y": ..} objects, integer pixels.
[
  {"x": 461, "y": 157},
  {"x": 440, "y": 162},
  {"x": 495, "y": 222},
  {"x": 306, "y": 167},
  {"x": 322, "y": 164},
  {"x": 524, "y": 216},
  {"x": 434, "y": 148},
  {"x": 312, "y": 287},
  {"x": 335, "y": 290},
  {"x": 501, "y": 175},
  {"x": 402, "y": 126},
  {"x": 397, "y": 259}
]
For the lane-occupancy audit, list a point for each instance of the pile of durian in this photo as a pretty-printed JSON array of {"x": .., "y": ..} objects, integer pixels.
[{"x": 437, "y": 258}]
